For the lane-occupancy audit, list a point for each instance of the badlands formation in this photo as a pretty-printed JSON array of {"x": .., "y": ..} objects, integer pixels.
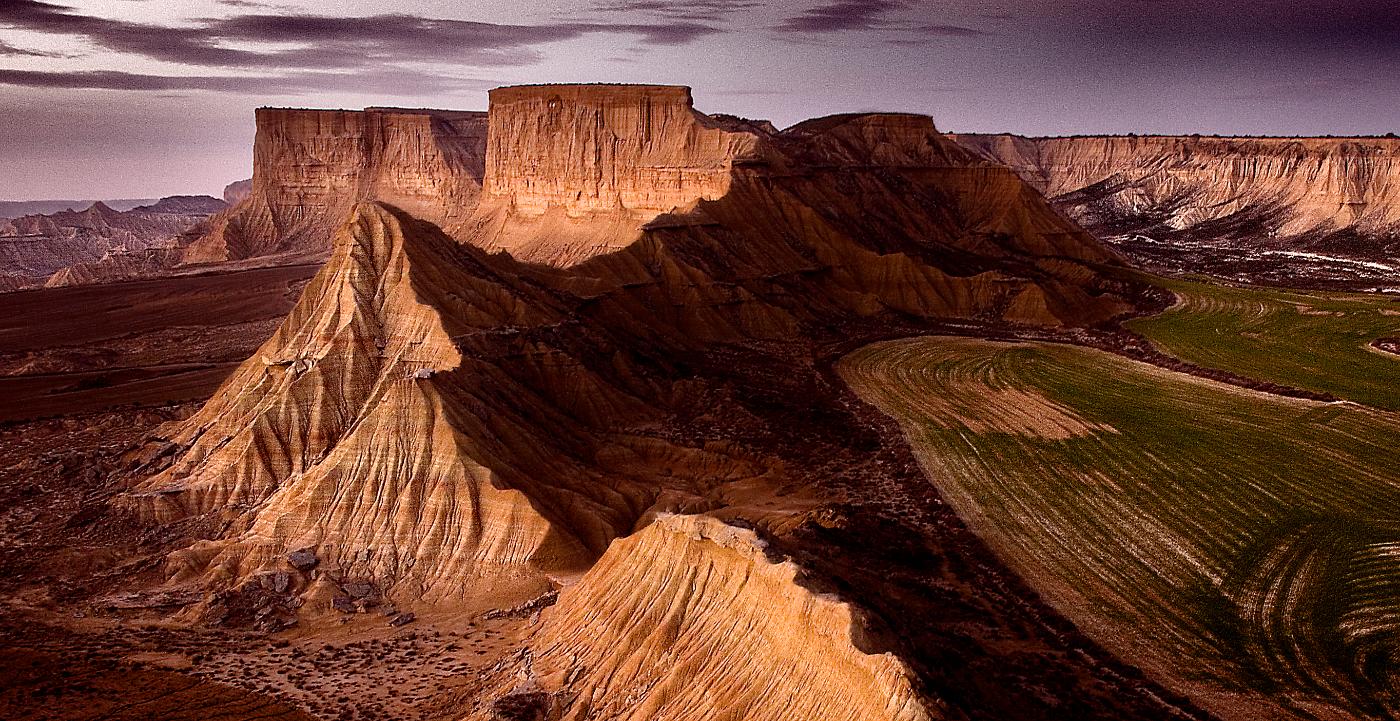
[
  {"x": 564, "y": 390},
  {"x": 98, "y": 244},
  {"x": 1283, "y": 210}
]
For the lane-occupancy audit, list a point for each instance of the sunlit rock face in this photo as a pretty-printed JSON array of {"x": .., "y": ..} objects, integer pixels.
[
  {"x": 573, "y": 171},
  {"x": 462, "y": 415},
  {"x": 1273, "y": 186},
  {"x": 310, "y": 168},
  {"x": 701, "y": 622}
]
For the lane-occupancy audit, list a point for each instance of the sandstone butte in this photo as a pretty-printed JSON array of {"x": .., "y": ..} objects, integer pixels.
[
  {"x": 595, "y": 359},
  {"x": 1306, "y": 188}
]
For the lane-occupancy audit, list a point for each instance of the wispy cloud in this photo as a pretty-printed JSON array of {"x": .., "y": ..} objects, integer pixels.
[
  {"x": 388, "y": 83},
  {"x": 842, "y": 16},
  {"x": 308, "y": 41},
  {"x": 697, "y": 11}
]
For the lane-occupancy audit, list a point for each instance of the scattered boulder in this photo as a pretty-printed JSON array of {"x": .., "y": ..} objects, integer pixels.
[
  {"x": 303, "y": 560},
  {"x": 524, "y": 610},
  {"x": 278, "y": 582},
  {"x": 402, "y": 619},
  {"x": 523, "y": 706},
  {"x": 360, "y": 590}
]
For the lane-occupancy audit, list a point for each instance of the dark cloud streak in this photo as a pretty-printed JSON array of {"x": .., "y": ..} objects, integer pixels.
[
  {"x": 951, "y": 31},
  {"x": 388, "y": 83},
  {"x": 330, "y": 42},
  {"x": 12, "y": 51},
  {"x": 842, "y": 16},
  {"x": 698, "y": 11}
]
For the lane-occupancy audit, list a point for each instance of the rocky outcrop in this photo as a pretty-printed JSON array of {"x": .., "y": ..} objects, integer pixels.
[
  {"x": 310, "y": 168},
  {"x": 701, "y": 622},
  {"x": 238, "y": 191},
  {"x": 39, "y": 247},
  {"x": 117, "y": 265},
  {"x": 455, "y": 426},
  {"x": 360, "y": 430},
  {"x": 1204, "y": 197}
]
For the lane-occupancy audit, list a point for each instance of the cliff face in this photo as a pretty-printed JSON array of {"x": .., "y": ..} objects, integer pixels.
[
  {"x": 1261, "y": 196},
  {"x": 237, "y": 191},
  {"x": 310, "y": 168},
  {"x": 453, "y": 426},
  {"x": 573, "y": 171}
]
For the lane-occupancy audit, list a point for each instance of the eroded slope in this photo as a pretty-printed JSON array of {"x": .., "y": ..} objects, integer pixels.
[
  {"x": 435, "y": 425},
  {"x": 700, "y": 622},
  {"x": 1284, "y": 210}
]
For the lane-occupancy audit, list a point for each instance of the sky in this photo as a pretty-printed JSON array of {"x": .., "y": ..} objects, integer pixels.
[{"x": 144, "y": 98}]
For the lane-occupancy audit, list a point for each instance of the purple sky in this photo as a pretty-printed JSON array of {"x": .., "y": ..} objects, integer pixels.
[{"x": 140, "y": 98}]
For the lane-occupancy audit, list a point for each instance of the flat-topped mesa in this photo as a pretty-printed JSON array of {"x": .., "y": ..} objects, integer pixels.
[
  {"x": 575, "y": 171},
  {"x": 601, "y": 148},
  {"x": 310, "y": 168}
]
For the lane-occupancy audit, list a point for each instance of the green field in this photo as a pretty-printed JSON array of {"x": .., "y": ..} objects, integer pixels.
[
  {"x": 1243, "y": 547},
  {"x": 1305, "y": 339}
]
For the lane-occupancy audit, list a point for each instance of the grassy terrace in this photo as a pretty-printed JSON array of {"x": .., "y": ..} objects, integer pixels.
[
  {"x": 1306, "y": 339},
  {"x": 1244, "y": 547}
]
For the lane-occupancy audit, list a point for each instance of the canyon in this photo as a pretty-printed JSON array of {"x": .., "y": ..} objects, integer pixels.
[
  {"x": 542, "y": 413},
  {"x": 1284, "y": 211},
  {"x": 592, "y": 423}
]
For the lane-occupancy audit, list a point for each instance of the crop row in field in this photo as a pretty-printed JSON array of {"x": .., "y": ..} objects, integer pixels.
[
  {"x": 1306, "y": 339},
  {"x": 1244, "y": 546}
]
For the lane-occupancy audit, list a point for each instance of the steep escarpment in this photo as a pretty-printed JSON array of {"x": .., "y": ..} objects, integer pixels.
[
  {"x": 310, "y": 168},
  {"x": 701, "y": 622},
  {"x": 573, "y": 171},
  {"x": 391, "y": 426},
  {"x": 442, "y": 425},
  {"x": 100, "y": 244},
  {"x": 1328, "y": 207}
]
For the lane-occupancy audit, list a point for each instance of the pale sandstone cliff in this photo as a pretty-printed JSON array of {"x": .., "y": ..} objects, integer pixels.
[
  {"x": 573, "y": 171},
  {"x": 310, "y": 168},
  {"x": 1245, "y": 187},
  {"x": 237, "y": 191},
  {"x": 452, "y": 426}
]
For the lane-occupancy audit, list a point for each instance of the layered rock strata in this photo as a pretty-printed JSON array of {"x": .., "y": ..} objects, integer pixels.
[
  {"x": 1263, "y": 199},
  {"x": 310, "y": 168},
  {"x": 100, "y": 244},
  {"x": 701, "y": 622},
  {"x": 454, "y": 426}
]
